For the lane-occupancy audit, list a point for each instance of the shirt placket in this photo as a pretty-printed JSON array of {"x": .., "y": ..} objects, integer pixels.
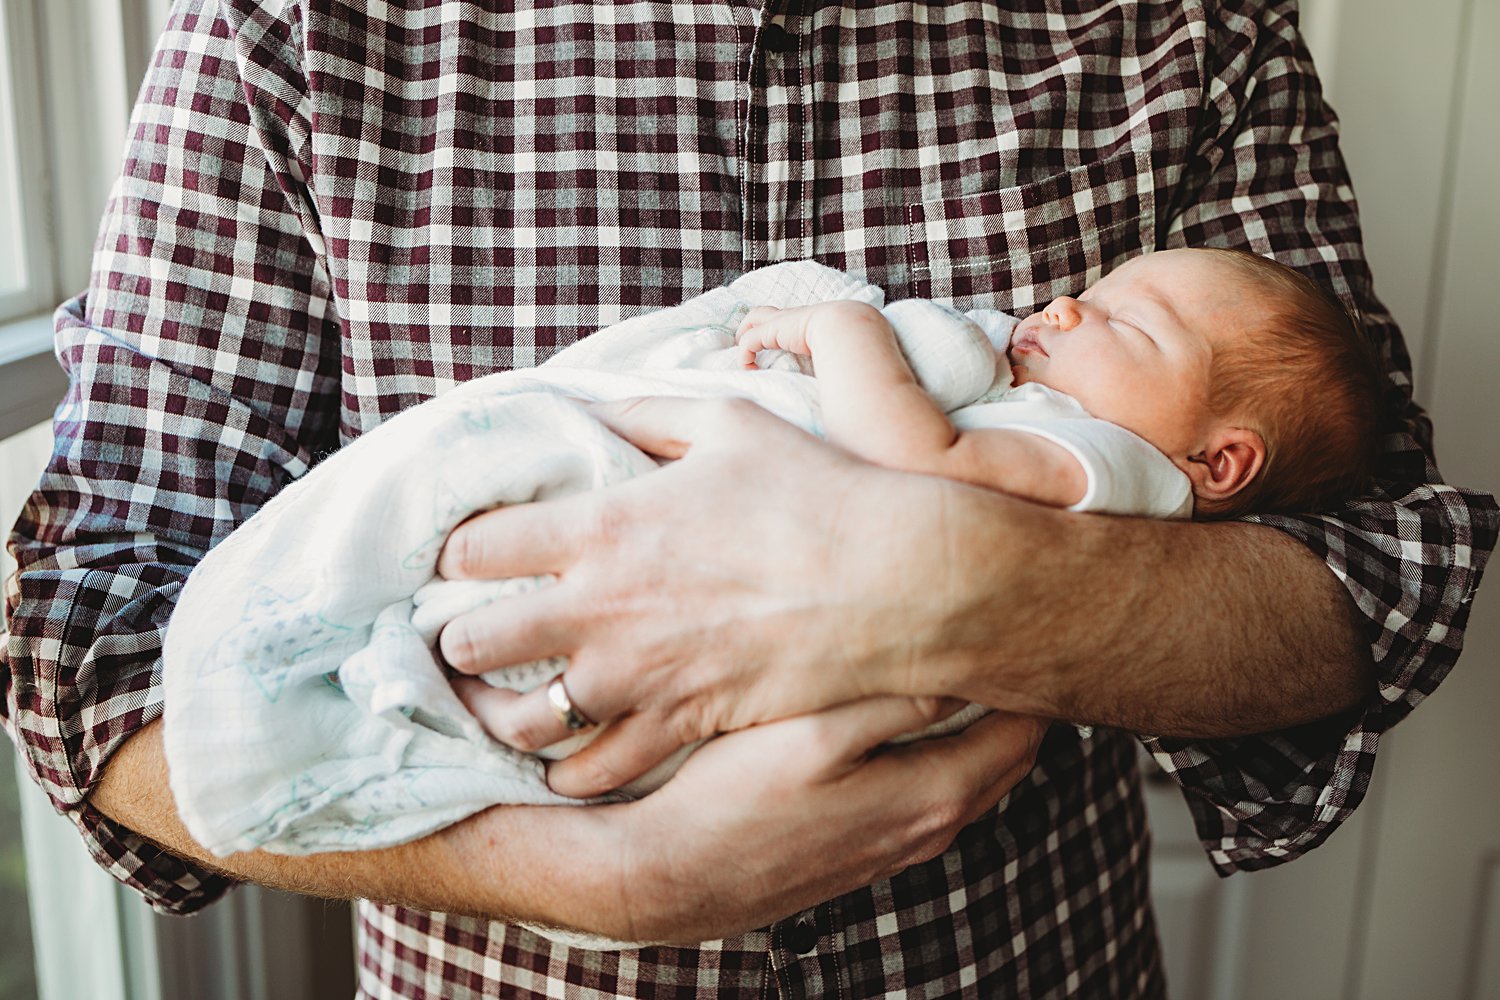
[
  {"x": 804, "y": 959},
  {"x": 776, "y": 192}
]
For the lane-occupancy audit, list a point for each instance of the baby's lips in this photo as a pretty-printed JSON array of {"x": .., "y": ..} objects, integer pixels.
[{"x": 1026, "y": 341}]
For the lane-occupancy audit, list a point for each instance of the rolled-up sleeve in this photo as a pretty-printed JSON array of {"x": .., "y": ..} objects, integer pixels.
[
  {"x": 203, "y": 377},
  {"x": 1410, "y": 552}
]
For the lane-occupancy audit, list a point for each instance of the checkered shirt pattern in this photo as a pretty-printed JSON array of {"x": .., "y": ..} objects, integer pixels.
[{"x": 331, "y": 211}]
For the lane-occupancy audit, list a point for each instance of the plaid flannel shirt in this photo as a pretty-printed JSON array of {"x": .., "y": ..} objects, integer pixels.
[{"x": 330, "y": 212}]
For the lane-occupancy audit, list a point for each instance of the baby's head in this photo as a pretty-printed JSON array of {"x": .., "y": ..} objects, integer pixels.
[{"x": 1253, "y": 380}]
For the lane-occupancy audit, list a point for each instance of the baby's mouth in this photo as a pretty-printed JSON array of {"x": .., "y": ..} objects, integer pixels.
[{"x": 1026, "y": 342}]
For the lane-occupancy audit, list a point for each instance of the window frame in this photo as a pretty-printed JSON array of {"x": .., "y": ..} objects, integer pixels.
[
  {"x": 30, "y": 382},
  {"x": 22, "y": 116},
  {"x": 64, "y": 174},
  {"x": 257, "y": 944}
]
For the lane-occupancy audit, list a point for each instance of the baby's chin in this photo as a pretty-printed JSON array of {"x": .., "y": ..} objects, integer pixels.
[{"x": 1019, "y": 373}]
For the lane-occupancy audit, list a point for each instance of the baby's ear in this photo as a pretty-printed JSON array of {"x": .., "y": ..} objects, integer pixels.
[{"x": 1230, "y": 462}]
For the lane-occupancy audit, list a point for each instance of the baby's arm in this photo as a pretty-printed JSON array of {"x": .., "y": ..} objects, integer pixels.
[{"x": 874, "y": 407}]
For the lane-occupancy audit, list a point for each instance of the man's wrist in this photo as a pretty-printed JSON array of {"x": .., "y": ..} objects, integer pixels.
[
  {"x": 556, "y": 866},
  {"x": 975, "y": 600}
]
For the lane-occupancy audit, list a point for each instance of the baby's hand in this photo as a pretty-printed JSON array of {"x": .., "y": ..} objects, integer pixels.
[{"x": 768, "y": 328}]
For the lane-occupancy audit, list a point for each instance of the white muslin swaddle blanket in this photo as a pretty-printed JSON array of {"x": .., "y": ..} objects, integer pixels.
[{"x": 306, "y": 709}]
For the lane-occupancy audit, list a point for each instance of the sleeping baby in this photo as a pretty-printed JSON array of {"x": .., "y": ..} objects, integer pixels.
[
  {"x": 307, "y": 707},
  {"x": 1272, "y": 409}
]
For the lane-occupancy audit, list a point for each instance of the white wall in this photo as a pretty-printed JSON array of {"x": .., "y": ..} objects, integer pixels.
[{"x": 1404, "y": 901}]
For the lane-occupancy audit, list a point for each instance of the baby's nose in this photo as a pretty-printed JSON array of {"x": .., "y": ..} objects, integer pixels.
[{"x": 1063, "y": 312}]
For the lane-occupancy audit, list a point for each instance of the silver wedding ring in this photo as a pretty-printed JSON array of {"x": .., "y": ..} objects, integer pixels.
[{"x": 562, "y": 706}]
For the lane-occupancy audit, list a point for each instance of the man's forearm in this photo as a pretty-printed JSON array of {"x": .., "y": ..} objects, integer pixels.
[
  {"x": 757, "y": 825},
  {"x": 504, "y": 863},
  {"x": 1168, "y": 628}
]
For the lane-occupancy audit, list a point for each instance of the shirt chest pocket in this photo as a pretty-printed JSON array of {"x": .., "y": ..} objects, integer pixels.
[{"x": 1018, "y": 248}]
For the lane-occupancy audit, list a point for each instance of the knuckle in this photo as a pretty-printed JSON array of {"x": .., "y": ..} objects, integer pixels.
[
  {"x": 823, "y": 741},
  {"x": 521, "y": 734},
  {"x": 932, "y": 849},
  {"x": 690, "y": 722},
  {"x": 601, "y": 523},
  {"x": 930, "y": 845},
  {"x": 918, "y": 852},
  {"x": 532, "y": 633},
  {"x": 944, "y": 820},
  {"x": 932, "y": 709},
  {"x": 1028, "y": 759},
  {"x": 1034, "y": 738}
]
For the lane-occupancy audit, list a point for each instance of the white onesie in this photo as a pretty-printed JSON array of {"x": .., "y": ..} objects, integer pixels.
[{"x": 306, "y": 709}]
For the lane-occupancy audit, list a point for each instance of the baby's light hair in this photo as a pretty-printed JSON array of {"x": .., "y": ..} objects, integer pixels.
[{"x": 1304, "y": 375}]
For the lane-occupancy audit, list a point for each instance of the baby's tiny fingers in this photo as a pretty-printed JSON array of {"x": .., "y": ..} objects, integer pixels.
[{"x": 757, "y": 316}]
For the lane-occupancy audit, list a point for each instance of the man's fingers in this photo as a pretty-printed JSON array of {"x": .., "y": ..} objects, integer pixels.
[
  {"x": 956, "y": 779},
  {"x": 850, "y": 730},
  {"x": 522, "y": 721},
  {"x": 512, "y": 630},
  {"x": 529, "y": 722},
  {"x": 670, "y": 426},
  {"x": 626, "y": 749},
  {"x": 529, "y": 539},
  {"x": 992, "y": 741},
  {"x": 990, "y": 756},
  {"x": 485, "y": 703}
]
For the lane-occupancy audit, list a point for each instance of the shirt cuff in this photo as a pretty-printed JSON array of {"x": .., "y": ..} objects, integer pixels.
[
  {"x": 168, "y": 884},
  {"x": 1259, "y": 801}
]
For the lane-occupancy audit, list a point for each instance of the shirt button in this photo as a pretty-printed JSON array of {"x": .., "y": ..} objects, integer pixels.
[
  {"x": 775, "y": 38},
  {"x": 802, "y": 935}
]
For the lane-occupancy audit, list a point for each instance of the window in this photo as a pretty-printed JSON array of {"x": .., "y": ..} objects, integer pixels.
[
  {"x": 17, "y": 968},
  {"x": 76, "y": 62},
  {"x": 25, "y": 247},
  {"x": 13, "y": 276}
]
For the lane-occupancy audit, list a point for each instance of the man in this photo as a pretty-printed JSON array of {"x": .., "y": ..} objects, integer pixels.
[{"x": 329, "y": 214}]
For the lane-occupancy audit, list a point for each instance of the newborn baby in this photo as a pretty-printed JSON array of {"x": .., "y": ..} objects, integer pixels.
[
  {"x": 1251, "y": 380},
  {"x": 306, "y": 708}
]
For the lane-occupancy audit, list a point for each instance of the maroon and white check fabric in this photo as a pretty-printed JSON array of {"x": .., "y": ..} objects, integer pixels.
[{"x": 331, "y": 211}]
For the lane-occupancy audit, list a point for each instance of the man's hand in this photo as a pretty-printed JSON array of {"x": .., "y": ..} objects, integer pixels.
[
  {"x": 766, "y": 575},
  {"x": 770, "y": 820}
]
